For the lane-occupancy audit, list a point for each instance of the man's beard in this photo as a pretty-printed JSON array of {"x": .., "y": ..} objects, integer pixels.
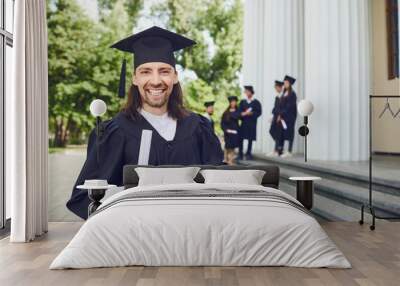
[{"x": 155, "y": 104}]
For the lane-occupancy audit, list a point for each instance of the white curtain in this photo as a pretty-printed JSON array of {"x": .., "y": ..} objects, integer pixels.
[{"x": 27, "y": 123}]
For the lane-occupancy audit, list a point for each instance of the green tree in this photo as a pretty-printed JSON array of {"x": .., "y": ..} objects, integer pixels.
[
  {"x": 131, "y": 7},
  {"x": 82, "y": 67},
  {"x": 196, "y": 93},
  {"x": 71, "y": 40},
  {"x": 217, "y": 27}
]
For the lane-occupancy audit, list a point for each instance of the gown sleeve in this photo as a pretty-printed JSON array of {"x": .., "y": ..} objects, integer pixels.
[
  {"x": 241, "y": 108},
  {"x": 289, "y": 110},
  {"x": 209, "y": 144},
  {"x": 257, "y": 109},
  {"x": 109, "y": 167},
  {"x": 224, "y": 123},
  {"x": 275, "y": 110}
]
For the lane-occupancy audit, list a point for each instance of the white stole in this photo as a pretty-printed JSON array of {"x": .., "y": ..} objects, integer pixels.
[{"x": 144, "y": 150}]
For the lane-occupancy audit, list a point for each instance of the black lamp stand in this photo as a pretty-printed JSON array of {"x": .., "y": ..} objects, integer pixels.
[
  {"x": 303, "y": 131},
  {"x": 98, "y": 135}
]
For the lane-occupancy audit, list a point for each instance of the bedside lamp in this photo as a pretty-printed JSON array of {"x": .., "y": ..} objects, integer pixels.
[
  {"x": 97, "y": 108},
  {"x": 305, "y": 108}
]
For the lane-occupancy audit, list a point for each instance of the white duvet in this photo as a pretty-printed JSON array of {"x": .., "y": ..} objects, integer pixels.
[{"x": 200, "y": 231}]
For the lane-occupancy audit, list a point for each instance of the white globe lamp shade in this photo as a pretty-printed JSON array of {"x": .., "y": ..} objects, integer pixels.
[
  {"x": 305, "y": 107},
  {"x": 98, "y": 107}
]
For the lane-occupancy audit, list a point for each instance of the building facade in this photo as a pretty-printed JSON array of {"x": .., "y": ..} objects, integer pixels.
[{"x": 338, "y": 51}]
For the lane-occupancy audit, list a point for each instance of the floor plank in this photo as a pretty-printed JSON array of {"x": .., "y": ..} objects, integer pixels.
[{"x": 375, "y": 257}]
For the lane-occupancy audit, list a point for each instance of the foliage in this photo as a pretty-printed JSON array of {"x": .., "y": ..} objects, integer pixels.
[
  {"x": 196, "y": 93},
  {"x": 82, "y": 67},
  {"x": 216, "y": 26},
  {"x": 131, "y": 7}
]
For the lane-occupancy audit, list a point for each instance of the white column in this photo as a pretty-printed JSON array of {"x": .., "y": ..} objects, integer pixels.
[
  {"x": 253, "y": 56},
  {"x": 337, "y": 78},
  {"x": 273, "y": 47}
]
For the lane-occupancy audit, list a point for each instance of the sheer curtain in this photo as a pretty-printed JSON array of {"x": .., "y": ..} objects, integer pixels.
[{"x": 27, "y": 123}]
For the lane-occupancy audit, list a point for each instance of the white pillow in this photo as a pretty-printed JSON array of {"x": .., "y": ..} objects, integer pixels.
[
  {"x": 166, "y": 176},
  {"x": 248, "y": 177}
]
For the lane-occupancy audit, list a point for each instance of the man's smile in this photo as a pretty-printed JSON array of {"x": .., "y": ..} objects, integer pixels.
[{"x": 155, "y": 92}]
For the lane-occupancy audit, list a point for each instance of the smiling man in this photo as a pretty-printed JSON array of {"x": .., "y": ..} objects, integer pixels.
[{"x": 153, "y": 128}]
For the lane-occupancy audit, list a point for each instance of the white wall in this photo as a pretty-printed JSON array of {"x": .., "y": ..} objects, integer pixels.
[
  {"x": 337, "y": 78},
  {"x": 326, "y": 46}
]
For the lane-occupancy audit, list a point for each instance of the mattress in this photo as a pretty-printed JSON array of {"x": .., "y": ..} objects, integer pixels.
[{"x": 201, "y": 225}]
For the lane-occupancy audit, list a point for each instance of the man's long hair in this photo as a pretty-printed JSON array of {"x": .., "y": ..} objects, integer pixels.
[{"x": 175, "y": 107}]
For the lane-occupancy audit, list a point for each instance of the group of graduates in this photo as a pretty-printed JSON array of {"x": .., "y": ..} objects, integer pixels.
[{"x": 239, "y": 123}]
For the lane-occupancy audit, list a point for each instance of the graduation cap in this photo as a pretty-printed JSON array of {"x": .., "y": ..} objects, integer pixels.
[
  {"x": 232, "y": 98},
  {"x": 249, "y": 88},
  {"x": 208, "y": 103},
  {"x": 152, "y": 45},
  {"x": 278, "y": 83},
  {"x": 290, "y": 79}
]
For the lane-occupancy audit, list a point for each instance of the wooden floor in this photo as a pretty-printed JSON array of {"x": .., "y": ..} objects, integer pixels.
[{"x": 375, "y": 257}]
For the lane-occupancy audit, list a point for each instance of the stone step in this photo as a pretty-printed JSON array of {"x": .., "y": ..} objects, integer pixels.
[
  {"x": 348, "y": 194},
  {"x": 349, "y": 173},
  {"x": 328, "y": 209}
]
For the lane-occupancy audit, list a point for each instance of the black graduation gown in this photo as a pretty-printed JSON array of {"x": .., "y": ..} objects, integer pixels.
[
  {"x": 210, "y": 120},
  {"x": 231, "y": 140},
  {"x": 288, "y": 112},
  {"x": 194, "y": 143},
  {"x": 212, "y": 124},
  {"x": 276, "y": 128},
  {"x": 248, "y": 128}
]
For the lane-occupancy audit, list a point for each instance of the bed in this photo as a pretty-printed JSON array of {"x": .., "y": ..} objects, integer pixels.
[{"x": 201, "y": 224}]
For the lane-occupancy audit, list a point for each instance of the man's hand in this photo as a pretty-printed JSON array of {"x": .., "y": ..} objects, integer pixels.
[{"x": 247, "y": 113}]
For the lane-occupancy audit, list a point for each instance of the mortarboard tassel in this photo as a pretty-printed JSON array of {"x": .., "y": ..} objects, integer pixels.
[{"x": 121, "y": 90}]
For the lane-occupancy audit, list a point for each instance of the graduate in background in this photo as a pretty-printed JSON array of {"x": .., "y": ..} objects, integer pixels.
[
  {"x": 250, "y": 110},
  {"x": 153, "y": 128},
  {"x": 209, "y": 105},
  {"x": 287, "y": 114},
  {"x": 276, "y": 126},
  {"x": 230, "y": 126}
]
